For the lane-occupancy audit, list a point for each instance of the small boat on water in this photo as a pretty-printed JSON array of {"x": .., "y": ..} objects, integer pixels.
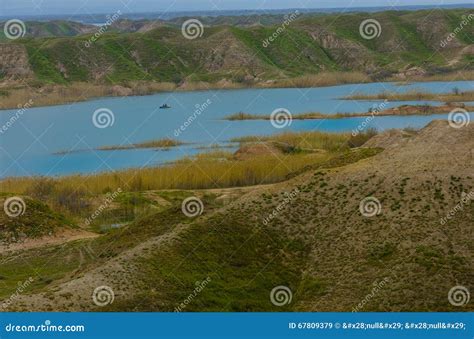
[{"x": 164, "y": 106}]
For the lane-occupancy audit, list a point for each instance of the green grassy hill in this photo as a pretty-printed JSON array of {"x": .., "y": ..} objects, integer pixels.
[
  {"x": 309, "y": 45},
  {"x": 28, "y": 219}
]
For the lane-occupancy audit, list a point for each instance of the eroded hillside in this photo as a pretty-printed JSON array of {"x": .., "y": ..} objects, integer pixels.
[{"x": 407, "y": 44}]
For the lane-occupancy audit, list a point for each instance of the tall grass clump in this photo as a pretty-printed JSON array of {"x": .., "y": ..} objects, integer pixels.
[
  {"x": 186, "y": 174},
  {"x": 48, "y": 95},
  {"x": 215, "y": 169},
  {"x": 332, "y": 142},
  {"x": 415, "y": 95},
  {"x": 320, "y": 80}
]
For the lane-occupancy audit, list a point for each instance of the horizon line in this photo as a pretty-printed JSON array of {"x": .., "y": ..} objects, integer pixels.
[{"x": 245, "y": 9}]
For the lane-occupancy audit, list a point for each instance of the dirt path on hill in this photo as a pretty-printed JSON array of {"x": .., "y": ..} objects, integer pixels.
[{"x": 57, "y": 239}]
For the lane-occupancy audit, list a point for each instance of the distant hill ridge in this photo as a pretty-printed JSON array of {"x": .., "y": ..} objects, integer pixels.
[
  {"x": 234, "y": 48},
  {"x": 168, "y": 15}
]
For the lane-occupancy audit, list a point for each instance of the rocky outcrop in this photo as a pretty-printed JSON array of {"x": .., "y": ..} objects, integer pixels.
[
  {"x": 14, "y": 62},
  {"x": 409, "y": 72},
  {"x": 346, "y": 52},
  {"x": 228, "y": 53}
]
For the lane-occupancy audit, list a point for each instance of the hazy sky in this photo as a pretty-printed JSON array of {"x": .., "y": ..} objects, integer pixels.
[{"x": 42, "y": 7}]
